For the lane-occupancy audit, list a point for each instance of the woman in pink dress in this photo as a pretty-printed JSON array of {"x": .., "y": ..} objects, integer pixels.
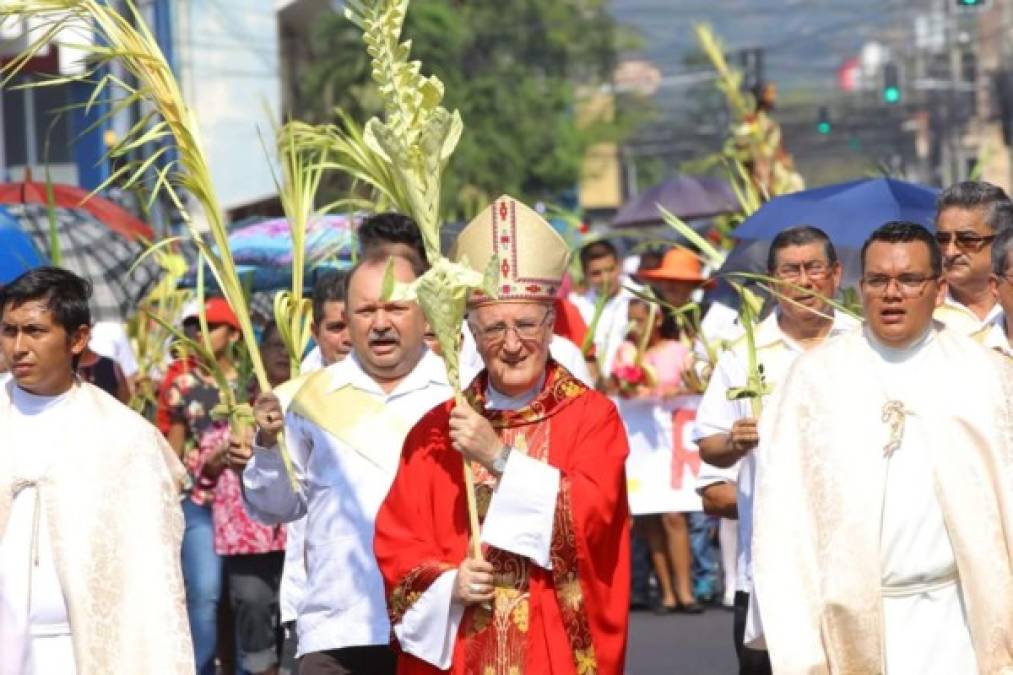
[
  {"x": 648, "y": 374},
  {"x": 253, "y": 554}
]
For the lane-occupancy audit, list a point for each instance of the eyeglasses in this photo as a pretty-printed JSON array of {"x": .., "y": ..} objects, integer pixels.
[
  {"x": 965, "y": 241},
  {"x": 910, "y": 285},
  {"x": 814, "y": 269},
  {"x": 525, "y": 330}
]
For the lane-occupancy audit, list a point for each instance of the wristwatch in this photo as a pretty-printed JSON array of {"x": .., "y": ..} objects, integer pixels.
[{"x": 499, "y": 464}]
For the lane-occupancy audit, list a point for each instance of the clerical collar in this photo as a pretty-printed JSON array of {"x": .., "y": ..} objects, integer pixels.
[
  {"x": 28, "y": 403},
  {"x": 495, "y": 400},
  {"x": 901, "y": 354}
]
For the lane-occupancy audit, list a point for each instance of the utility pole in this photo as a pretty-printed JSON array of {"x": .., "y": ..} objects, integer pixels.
[{"x": 955, "y": 121}]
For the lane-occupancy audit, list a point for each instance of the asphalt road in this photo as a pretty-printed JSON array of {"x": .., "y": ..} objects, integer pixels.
[{"x": 680, "y": 644}]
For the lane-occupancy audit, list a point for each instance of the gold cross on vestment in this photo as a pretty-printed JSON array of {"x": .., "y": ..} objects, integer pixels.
[{"x": 894, "y": 416}]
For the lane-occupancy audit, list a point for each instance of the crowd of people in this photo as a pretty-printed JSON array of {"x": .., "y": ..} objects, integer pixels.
[{"x": 844, "y": 486}]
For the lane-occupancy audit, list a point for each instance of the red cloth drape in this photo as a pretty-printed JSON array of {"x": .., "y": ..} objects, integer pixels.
[{"x": 570, "y": 324}]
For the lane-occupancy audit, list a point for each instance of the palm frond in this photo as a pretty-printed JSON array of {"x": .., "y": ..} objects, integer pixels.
[{"x": 125, "y": 38}]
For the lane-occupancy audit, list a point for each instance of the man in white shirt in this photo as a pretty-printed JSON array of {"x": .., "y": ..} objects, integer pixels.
[
  {"x": 969, "y": 216},
  {"x": 330, "y": 331},
  {"x": 90, "y": 523},
  {"x": 599, "y": 262},
  {"x": 344, "y": 431},
  {"x": 727, "y": 428},
  {"x": 997, "y": 335}
]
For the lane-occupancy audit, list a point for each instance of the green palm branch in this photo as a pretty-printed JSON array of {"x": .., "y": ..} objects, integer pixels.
[{"x": 168, "y": 124}]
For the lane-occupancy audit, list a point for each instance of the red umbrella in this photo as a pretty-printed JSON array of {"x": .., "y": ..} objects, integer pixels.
[{"x": 113, "y": 216}]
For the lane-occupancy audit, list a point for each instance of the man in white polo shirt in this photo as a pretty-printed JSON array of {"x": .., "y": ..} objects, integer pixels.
[
  {"x": 726, "y": 429},
  {"x": 344, "y": 430}
]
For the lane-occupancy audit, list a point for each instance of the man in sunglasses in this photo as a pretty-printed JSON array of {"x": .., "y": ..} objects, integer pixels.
[
  {"x": 969, "y": 215},
  {"x": 883, "y": 531}
]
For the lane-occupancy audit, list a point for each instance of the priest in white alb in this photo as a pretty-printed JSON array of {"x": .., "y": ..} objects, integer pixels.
[
  {"x": 883, "y": 534},
  {"x": 90, "y": 521}
]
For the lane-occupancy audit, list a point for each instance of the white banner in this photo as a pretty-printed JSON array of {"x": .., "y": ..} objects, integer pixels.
[{"x": 664, "y": 461}]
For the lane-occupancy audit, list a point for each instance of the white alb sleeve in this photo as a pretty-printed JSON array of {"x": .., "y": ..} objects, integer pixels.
[
  {"x": 523, "y": 509},
  {"x": 428, "y": 630}
]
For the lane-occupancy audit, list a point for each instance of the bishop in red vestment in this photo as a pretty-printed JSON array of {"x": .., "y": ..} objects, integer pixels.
[{"x": 551, "y": 594}]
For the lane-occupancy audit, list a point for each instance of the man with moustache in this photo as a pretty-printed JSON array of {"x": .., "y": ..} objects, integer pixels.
[
  {"x": 344, "y": 430},
  {"x": 804, "y": 260},
  {"x": 551, "y": 592},
  {"x": 883, "y": 533},
  {"x": 969, "y": 216}
]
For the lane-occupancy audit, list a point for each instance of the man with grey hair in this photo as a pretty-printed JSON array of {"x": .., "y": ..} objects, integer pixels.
[
  {"x": 969, "y": 216},
  {"x": 998, "y": 335}
]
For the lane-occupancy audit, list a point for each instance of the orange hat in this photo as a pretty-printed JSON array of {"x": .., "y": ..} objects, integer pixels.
[
  {"x": 218, "y": 312},
  {"x": 679, "y": 264}
]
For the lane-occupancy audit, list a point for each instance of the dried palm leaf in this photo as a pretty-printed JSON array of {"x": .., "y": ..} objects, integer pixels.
[{"x": 107, "y": 35}]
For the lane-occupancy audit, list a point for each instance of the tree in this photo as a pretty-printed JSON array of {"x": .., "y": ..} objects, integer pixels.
[{"x": 513, "y": 69}]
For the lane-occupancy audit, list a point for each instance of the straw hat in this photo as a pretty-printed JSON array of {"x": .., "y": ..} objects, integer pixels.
[
  {"x": 531, "y": 255},
  {"x": 678, "y": 264}
]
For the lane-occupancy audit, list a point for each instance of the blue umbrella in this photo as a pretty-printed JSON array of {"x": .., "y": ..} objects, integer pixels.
[
  {"x": 17, "y": 252},
  {"x": 847, "y": 212}
]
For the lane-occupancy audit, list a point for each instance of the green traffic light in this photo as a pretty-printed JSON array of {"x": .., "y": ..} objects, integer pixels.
[
  {"x": 823, "y": 128},
  {"x": 891, "y": 95},
  {"x": 970, "y": 3}
]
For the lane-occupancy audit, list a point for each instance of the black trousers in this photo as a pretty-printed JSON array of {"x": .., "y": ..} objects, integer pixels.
[
  {"x": 751, "y": 661},
  {"x": 369, "y": 660},
  {"x": 253, "y": 589}
]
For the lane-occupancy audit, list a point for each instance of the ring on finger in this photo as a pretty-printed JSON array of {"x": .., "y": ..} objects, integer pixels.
[{"x": 475, "y": 588}]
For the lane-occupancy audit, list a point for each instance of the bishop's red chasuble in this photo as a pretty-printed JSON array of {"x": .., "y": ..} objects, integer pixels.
[{"x": 570, "y": 620}]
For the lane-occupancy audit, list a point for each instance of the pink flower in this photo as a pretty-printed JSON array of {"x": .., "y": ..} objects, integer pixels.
[{"x": 629, "y": 373}]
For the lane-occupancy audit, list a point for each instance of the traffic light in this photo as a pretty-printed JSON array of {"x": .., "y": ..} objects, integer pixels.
[
  {"x": 971, "y": 3},
  {"x": 823, "y": 125},
  {"x": 891, "y": 84}
]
